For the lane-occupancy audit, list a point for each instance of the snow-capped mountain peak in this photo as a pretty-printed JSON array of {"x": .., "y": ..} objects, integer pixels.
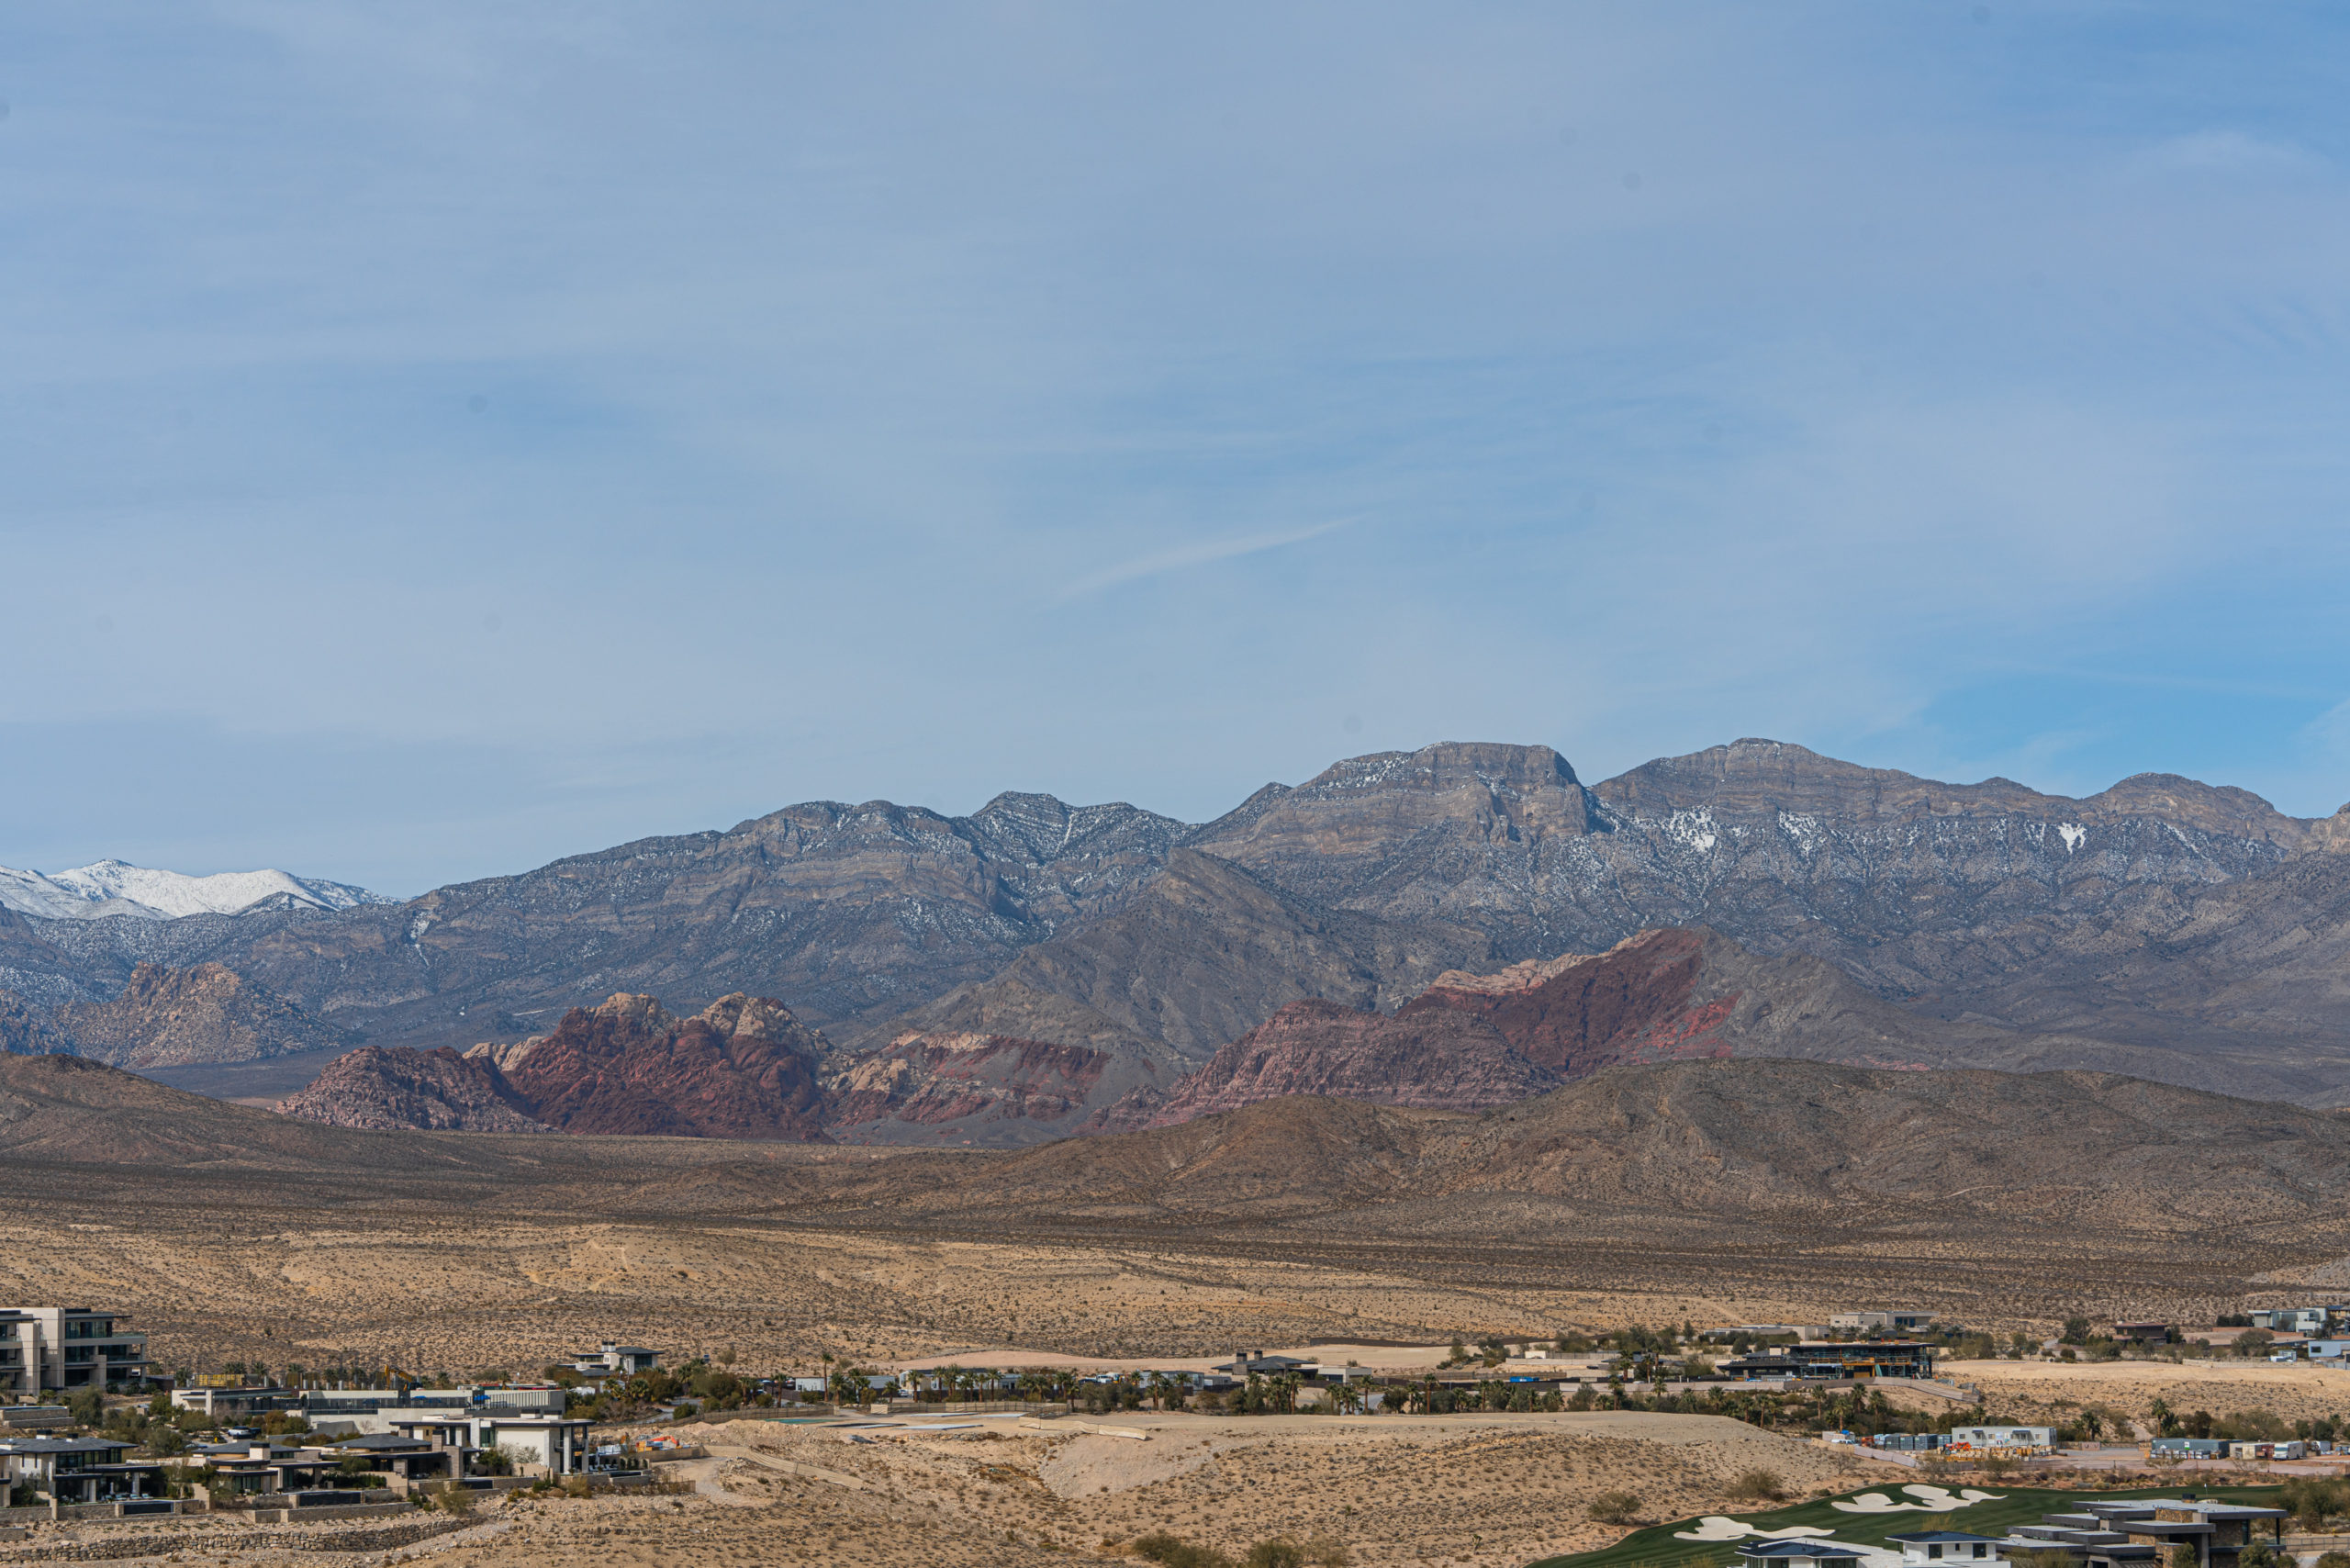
[{"x": 116, "y": 888}]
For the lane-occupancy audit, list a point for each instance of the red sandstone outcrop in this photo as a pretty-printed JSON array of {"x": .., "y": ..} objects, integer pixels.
[
  {"x": 989, "y": 1089},
  {"x": 744, "y": 1069},
  {"x": 1471, "y": 1041},
  {"x": 1439, "y": 1058},
  {"x": 1640, "y": 1000}
]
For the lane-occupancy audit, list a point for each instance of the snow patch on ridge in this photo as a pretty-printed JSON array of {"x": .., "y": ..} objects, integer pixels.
[{"x": 115, "y": 888}]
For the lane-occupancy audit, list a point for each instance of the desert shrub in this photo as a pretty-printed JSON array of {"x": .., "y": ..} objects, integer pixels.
[
  {"x": 1176, "y": 1553},
  {"x": 457, "y": 1500},
  {"x": 2262, "y": 1554},
  {"x": 2312, "y": 1500},
  {"x": 1758, "y": 1486},
  {"x": 1614, "y": 1507},
  {"x": 1279, "y": 1552},
  {"x": 1321, "y": 1551},
  {"x": 2329, "y": 1559}
]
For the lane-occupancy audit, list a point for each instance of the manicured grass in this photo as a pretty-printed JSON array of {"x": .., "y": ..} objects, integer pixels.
[{"x": 1655, "y": 1548}]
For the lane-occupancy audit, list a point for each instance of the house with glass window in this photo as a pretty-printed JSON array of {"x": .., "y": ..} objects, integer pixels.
[
  {"x": 45, "y": 1349},
  {"x": 1919, "y": 1548},
  {"x": 77, "y": 1470}
]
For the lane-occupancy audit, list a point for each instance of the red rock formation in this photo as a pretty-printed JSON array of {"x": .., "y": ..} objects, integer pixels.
[
  {"x": 744, "y": 1069},
  {"x": 394, "y": 1087},
  {"x": 988, "y": 1089},
  {"x": 1438, "y": 1057},
  {"x": 1575, "y": 1016},
  {"x": 1477, "y": 1040}
]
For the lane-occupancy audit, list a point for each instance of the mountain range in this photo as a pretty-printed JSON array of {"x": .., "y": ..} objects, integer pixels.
[
  {"x": 1756, "y": 1157},
  {"x": 1403, "y": 925},
  {"x": 110, "y": 889}
]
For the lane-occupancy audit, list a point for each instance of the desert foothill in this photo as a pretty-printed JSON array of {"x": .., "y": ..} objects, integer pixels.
[{"x": 1273, "y": 786}]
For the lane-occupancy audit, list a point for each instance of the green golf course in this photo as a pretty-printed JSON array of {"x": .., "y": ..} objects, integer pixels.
[{"x": 1654, "y": 1547}]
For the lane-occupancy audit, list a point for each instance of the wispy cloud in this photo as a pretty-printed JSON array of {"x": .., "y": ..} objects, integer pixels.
[
  {"x": 1198, "y": 553},
  {"x": 2232, "y": 151}
]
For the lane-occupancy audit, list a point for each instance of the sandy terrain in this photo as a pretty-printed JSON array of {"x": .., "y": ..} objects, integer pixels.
[
  {"x": 2025, "y": 1389},
  {"x": 468, "y": 1294},
  {"x": 1487, "y": 1491}
]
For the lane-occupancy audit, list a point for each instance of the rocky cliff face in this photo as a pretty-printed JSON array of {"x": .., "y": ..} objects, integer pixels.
[
  {"x": 1904, "y": 882},
  {"x": 1111, "y": 928},
  {"x": 1438, "y": 1057},
  {"x": 989, "y": 1090},
  {"x": 742, "y": 1068},
  {"x": 1200, "y": 957},
  {"x": 393, "y": 1087},
  {"x": 25, "y": 1030},
  {"x": 853, "y": 911},
  {"x": 1471, "y": 1041},
  {"x": 166, "y": 1018}
]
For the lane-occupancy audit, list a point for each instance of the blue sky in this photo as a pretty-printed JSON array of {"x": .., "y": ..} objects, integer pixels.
[{"x": 437, "y": 438}]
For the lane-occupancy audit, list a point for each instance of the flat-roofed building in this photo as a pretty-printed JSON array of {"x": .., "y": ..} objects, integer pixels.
[
  {"x": 1835, "y": 1359},
  {"x": 556, "y": 1444},
  {"x": 613, "y": 1359},
  {"x": 1919, "y": 1548},
  {"x": 2141, "y": 1532},
  {"x": 78, "y": 1470},
  {"x": 46, "y": 1349},
  {"x": 1801, "y": 1552}
]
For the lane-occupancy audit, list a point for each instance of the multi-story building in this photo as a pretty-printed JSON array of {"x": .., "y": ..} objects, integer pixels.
[
  {"x": 2303, "y": 1319},
  {"x": 616, "y": 1359},
  {"x": 1836, "y": 1360},
  {"x": 77, "y": 1470},
  {"x": 46, "y": 1349}
]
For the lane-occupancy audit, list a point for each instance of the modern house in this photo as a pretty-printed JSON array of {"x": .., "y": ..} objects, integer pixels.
[
  {"x": 1835, "y": 1360},
  {"x": 1798, "y": 1553},
  {"x": 2302, "y": 1320},
  {"x": 261, "y": 1466},
  {"x": 47, "y": 1348},
  {"x": 78, "y": 1470},
  {"x": 1927, "y": 1546},
  {"x": 2141, "y": 1531},
  {"x": 555, "y": 1445},
  {"x": 615, "y": 1359}
]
